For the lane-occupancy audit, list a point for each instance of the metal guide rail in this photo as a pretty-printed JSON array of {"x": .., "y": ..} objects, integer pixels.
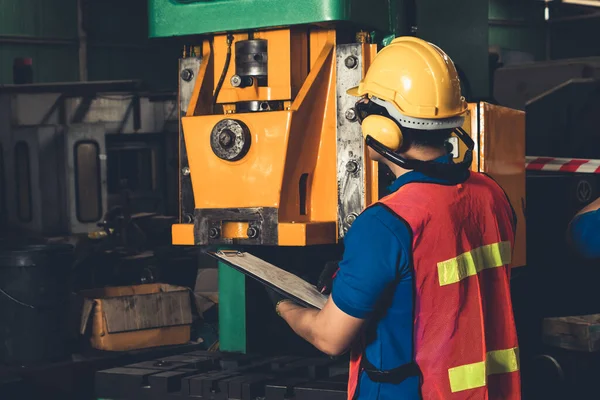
[{"x": 219, "y": 376}]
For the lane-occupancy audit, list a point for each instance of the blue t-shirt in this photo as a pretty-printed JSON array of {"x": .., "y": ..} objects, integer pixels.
[
  {"x": 375, "y": 281},
  {"x": 585, "y": 234}
]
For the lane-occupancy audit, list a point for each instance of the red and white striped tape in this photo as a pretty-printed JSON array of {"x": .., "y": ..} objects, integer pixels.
[{"x": 578, "y": 165}]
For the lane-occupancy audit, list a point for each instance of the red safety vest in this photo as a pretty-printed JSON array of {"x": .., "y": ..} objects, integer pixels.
[{"x": 465, "y": 341}]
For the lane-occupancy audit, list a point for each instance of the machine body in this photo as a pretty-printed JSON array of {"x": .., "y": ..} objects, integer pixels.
[{"x": 277, "y": 157}]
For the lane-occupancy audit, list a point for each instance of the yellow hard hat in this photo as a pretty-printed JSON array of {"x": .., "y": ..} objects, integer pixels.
[{"x": 417, "y": 78}]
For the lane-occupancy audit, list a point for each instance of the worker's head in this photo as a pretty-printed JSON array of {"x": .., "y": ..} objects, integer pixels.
[{"x": 411, "y": 97}]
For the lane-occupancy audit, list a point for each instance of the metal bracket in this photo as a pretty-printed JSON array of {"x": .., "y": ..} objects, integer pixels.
[
  {"x": 188, "y": 74},
  {"x": 208, "y": 223},
  {"x": 350, "y": 143}
]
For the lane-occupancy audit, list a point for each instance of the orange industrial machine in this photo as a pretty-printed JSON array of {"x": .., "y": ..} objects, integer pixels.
[{"x": 275, "y": 155}]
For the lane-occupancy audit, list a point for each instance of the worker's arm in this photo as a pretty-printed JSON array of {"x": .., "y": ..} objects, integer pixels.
[
  {"x": 329, "y": 330},
  {"x": 374, "y": 258},
  {"x": 584, "y": 231}
]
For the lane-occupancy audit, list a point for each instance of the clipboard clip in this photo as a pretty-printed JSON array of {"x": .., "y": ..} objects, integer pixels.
[{"x": 230, "y": 253}]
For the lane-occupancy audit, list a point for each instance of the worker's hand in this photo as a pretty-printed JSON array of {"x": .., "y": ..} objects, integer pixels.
[
  {"x": 325, "y": 282},
  {"x": 274, "y": 296}
]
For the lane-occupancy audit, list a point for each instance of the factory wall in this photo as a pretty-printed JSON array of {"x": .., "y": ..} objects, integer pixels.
[
  {"x": 575, "y": 36},
  {"x": 119, "y": 48},
  {"x": 518, "y": 26},
  {"x": 117, "y": 43},
  {"x": 45, "y": 30}
]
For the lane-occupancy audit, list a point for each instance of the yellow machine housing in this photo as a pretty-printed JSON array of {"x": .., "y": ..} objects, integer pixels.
[{"x": 278, "y": 158}]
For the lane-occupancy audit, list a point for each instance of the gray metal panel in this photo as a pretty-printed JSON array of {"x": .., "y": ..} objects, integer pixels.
[
  {"x": 49, "y": 158},
  {"x": 118, "y": 112},
  {"x": 74, "y": 134},
  {"x": 44, "y": 153},
  {"x": 35, "y": 109},
  {"x": 186, "y": 86},
  {"x": 350, "y": 143}
]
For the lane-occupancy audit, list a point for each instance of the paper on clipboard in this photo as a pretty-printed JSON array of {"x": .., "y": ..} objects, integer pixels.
[{"x": 282, "y": 281}]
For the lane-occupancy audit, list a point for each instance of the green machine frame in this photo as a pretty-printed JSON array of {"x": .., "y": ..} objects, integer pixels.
[{"x": 196, "y": 17}]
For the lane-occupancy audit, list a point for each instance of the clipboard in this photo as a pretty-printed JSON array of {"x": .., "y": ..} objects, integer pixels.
[{"x": 283, "y": 282}]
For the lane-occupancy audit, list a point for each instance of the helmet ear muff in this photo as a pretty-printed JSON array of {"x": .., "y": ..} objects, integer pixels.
[{"x": 384, "y": 130}]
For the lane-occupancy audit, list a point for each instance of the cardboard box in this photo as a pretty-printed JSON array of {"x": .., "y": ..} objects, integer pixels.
[
  {"x": 580, "y": 333},
  {"x": 135, "y": 317}
]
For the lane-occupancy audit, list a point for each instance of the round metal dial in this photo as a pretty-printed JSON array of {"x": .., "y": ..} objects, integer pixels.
[{"x": 230, "y": 139}]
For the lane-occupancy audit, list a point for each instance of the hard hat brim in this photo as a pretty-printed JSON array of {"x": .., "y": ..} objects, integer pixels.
[{"x": 353, "y": 92}]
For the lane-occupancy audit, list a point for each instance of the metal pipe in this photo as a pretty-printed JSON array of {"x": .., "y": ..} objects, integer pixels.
[
  {"x": 21, "y": 39},
  {"x": 82, "y": 34}
]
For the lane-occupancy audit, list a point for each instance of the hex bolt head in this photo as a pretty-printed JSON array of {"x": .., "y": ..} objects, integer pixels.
[
  {"x": 236, "y": 81},
  {"x": 226, "y": 138},
  {"x": 187, "y": 74},
  {"x": 214, "y": 233},
  {"x": 350, "y": 218},
  {"x": 185, "y": 171},
  {"x": 352, "y": 166},
  {"x": 252, "y": 232},
  {"x": 351, "y": 114},
  {"x": 351, "y": 62}
]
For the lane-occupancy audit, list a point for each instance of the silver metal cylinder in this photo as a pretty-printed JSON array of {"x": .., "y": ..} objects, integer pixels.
[{"x": 251, "y": 58}]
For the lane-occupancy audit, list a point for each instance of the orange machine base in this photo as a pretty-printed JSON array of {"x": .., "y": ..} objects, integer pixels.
[{"x": 290, "y": 233}]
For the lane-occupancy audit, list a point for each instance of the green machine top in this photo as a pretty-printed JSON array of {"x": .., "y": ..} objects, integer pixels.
[{"x": 194, "y": 17}]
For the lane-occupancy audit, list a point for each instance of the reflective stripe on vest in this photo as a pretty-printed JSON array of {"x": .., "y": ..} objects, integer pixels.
[
  {"x": 472, "y": 262},
  {"x": 471, "y": 376}
]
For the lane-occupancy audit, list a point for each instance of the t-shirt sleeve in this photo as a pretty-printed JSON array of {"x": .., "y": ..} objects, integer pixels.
[
  {"x": 375, "y": 257},
  {"x": 585, "y": 234}
]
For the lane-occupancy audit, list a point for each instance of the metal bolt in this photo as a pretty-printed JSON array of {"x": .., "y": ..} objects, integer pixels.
[
  {"x": 226, "y": 138},
  {"x": 185, "y": 171},
  {"x": 350, "y": 218},
  {"x": 187, "y": 74},
  {"x": 351, "y": 62},
  {"x": 236, "y": 81},
  {"x": 351, "y": 114},
  {"x": 214, "y": 233},
  {"x": 413, "y": 29},
  {"x": 252, "y": 232},
  {"x": 352, "y": 166}
]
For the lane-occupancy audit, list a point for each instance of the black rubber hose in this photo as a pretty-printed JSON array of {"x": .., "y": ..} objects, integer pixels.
[{"x": 225, "y": 68}]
